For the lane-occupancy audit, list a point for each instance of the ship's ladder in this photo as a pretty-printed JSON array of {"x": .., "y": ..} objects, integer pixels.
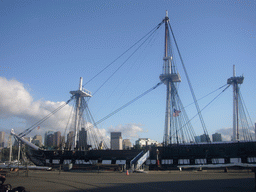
[{"x": 137, "y": 162}]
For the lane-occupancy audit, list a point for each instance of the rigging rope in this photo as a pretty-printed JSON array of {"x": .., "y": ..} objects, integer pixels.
[
  {"x": 177, "y": 105},
  {"x": 206, "y": 95},
  {"x": 124, "y": 79},
  {"x": 94, "y": 124},
  {"x": 125, "y": 61},
  {"x": 63, "y": 140},
  {"x": 68, "y": 120},
  {"x": 127, "y": 104},
  {"x": 154, "y": 29},
  {"x": 31, "y": 128},
  {"x": 190, "y": 86},
  {"x": 100, "y": 135},
  {"x": 243, "y": 119},
  {"x": 227, "y": 86}
]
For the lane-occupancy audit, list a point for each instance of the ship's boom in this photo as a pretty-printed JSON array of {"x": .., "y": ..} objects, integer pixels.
[{"x": 33, "y": 146}]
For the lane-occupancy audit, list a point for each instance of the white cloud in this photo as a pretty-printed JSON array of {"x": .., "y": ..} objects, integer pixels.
[
  {"x": 14, "y": 98},
  {"x": 17, "y": 102},
  {"x": 227, "y": 133},
  {"x": 18, "y": 106}
]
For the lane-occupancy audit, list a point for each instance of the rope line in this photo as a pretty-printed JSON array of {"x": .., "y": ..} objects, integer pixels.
[
  {"x": 190, "y": 86},
  {"x": 206, "y": 95},
  {"x": 205, "y": 106},
  {"x": 154, "y": 29},
  {"x": 127, "y": 104},
  {"x": 125, "y": 61},
  {"x": 31, "y": 128}
]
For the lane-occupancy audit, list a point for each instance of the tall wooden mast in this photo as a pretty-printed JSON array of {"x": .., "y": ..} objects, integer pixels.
[{"x": 168, "y": 76}]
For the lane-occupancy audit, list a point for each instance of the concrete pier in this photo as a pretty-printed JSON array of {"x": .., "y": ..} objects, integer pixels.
[{"x": 174, "y": 181}]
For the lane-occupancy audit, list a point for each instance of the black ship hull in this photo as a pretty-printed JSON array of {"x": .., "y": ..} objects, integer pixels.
[
  {"x": 164, "y": 157},
  {"x": 51, "y": 158},
  {"x": 211, "y": 153}
]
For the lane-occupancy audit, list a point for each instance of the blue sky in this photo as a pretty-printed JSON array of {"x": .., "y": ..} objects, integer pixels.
[{"x": 47, "y": 46}]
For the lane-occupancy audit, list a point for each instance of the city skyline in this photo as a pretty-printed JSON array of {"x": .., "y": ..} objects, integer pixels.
[{"x": 56, "y": 138}]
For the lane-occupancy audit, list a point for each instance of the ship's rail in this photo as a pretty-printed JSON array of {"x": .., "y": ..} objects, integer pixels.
[{"x": 86, "y": 91}]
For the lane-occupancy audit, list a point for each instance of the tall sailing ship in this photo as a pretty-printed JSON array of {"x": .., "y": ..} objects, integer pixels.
[{"x": 180, "y": 148}]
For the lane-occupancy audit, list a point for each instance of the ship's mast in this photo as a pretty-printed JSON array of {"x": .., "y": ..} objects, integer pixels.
[
  {"x": 79, "y": 95},
  {"x": 235, "y": 81},
  {"x": 168, "y": 76}
]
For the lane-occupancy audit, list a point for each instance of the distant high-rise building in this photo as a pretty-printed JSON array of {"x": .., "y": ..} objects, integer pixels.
[
  {"x": 2, "y": 138},
  {"x": 63, "y": 144},
  {"x": 49, "y": 139},
  {"x": 204, "y": 138},
  {"x": 37, "y": 140},
  {"x": 127, "y": 144},
  {"x": 52, "y": 139},
  {"x": 197, "y": 139},
  {"x": 116, "y": 141},
  {"x": 57, "y": 139},
  {"x": 70, "y": 137},
  {"x": 216, "y": 137},
  {"x": 82, "y": 142}
]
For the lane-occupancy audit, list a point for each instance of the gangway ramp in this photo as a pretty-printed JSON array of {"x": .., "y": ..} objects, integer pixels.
[{"x": 138, "y": 161}]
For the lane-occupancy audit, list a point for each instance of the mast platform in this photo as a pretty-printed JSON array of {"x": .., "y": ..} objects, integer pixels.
[
  {"x": 82, "y": 93},
  {"x": 237, "y": 80},
  {"x": 174, "y": 77}
]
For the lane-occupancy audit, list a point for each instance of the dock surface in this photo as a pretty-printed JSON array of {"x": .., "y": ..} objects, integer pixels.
[{"x": 171, "y": 181}]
